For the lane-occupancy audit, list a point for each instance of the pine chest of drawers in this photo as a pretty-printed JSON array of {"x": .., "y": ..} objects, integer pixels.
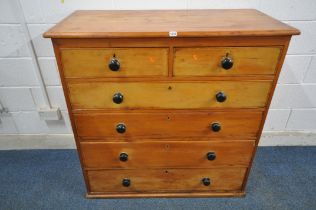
[{"x": 168, "y": 103}]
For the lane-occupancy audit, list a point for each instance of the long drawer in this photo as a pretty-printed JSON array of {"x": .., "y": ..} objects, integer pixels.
[
  {"x": 94, "y": 62},
  {"x": 181, "y": 95},
  {"x": 159, "y": 154},
  {"x": 219, "y": 179},
  {"x": 210, "y": 61},
  {"x": 131, "y": 126}
]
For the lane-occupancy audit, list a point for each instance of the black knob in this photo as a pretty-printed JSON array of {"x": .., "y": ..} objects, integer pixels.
[
  {"x": 227, "y": 63},
  {"x": 114, "y": 64},
  {"x": 216, "y": 127},
  {"x": 211, "y": 156},
  {"x": 206, "y": 181},
  {"x": 220, "y": 97},
  {"x": 118, "y": 98},
  {"x": 123, "y": 156},
  {"x": 126, "y": 182},
  {"x": 120, "y": 128}
]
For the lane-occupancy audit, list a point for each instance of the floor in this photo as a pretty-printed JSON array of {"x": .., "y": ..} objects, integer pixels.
[{"x": 282, "y": 178}]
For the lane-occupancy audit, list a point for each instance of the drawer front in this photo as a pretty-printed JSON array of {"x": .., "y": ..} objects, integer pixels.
[
  {"x": 210, "y": 61},
  {"x": 181, "y": 95},
  {"x": 198, "y": 154},
  {"x": 89, "y": 63},
  {"x": 131, "y": 126},
  {"x": 229, "y": 178}
]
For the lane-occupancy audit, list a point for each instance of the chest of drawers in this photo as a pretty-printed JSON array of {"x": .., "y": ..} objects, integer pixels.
[{"x": 168, "y": 103}]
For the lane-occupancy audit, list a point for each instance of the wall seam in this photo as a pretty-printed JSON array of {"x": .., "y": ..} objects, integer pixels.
[{"x": 32, "y": 51}]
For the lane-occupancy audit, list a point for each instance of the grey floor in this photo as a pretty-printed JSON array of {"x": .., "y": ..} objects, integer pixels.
[{"x": 282, "y": 178}]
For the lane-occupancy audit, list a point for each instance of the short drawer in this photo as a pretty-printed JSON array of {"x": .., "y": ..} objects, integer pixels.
[
  {"x": 194, "y": 154},
  {"x": 130, "y": 126},
  {"x": 125, "y": 62},
  {"x": 212, "y": 61},
  {"x": 188, "y": 180},
  {"x": 173, "y": 95}
]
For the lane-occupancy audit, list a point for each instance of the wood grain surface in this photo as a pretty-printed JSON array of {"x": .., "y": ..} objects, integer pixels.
[
  {"x": 168, "y": 124},
  {"x": 91, "y": 63},
  {"x": 154, "y": 194},
  {"x": 155, "y": 23},
  {"x": 166, "y": 180},
  {"x": 206, "y": 61},
  {"x": 160, "y": 154},
  {"x": 169, "y": 95}
]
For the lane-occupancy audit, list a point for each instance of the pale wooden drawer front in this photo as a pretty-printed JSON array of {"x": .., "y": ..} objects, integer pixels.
[
  {"x": 229, "y": 178},
  {"x": 149, "y": 154},
  {"x": 90, "y": 63},
  {"x": 168, "y": 124},
  {"x": 173, "y": 95},
  {"x": 206, "y": 61}
]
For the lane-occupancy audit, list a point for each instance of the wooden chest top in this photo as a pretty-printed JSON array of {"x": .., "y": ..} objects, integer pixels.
[{"x": 157, "y": 23}]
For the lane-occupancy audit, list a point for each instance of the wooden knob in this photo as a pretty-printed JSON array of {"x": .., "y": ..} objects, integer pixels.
[
  {"x": 211, "y": 156},
  {"x": 221, "y": 97},
  {"x": 206, "y": 181},
  {"x": 216, "y": 127},
  {"x": 123, "y": 157},
  {"x": 118, "y": 98},
  {"x": 227, "y": 63},
  {"x": 120, "y": 128},
  {"x": 126, "y": 182},
  {"x": 114, "y": 64}
]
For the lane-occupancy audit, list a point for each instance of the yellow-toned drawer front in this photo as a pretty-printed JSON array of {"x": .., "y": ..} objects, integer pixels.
[
  {"x": 206, "y": 61},
  {"x": 148, "y": 154},
  {"x": 188, "y": 95},
  {"x": 230, "y": 178},
  {"x": 89, "y": 63},
  {"x": 243, "y": 124}
]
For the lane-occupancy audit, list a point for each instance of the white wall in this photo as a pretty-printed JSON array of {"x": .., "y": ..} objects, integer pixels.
[{"x": 293, "y": 108}]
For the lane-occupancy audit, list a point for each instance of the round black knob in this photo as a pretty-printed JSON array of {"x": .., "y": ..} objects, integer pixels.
[
  {"x": 123, "y": 156},
  {"x": 126, "y": 182},
  {"x": 118, "y": 98},
  {"x": 211, "y": 156},
  {"x": 120, "y": 128},
  {"x": 206, "y": 181},
  {"x": 114, "y": 64},
  {"x": 220, "y": 97},
  {"x": 227, "y": 63},
  {"x": 216, "y": 127}
]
